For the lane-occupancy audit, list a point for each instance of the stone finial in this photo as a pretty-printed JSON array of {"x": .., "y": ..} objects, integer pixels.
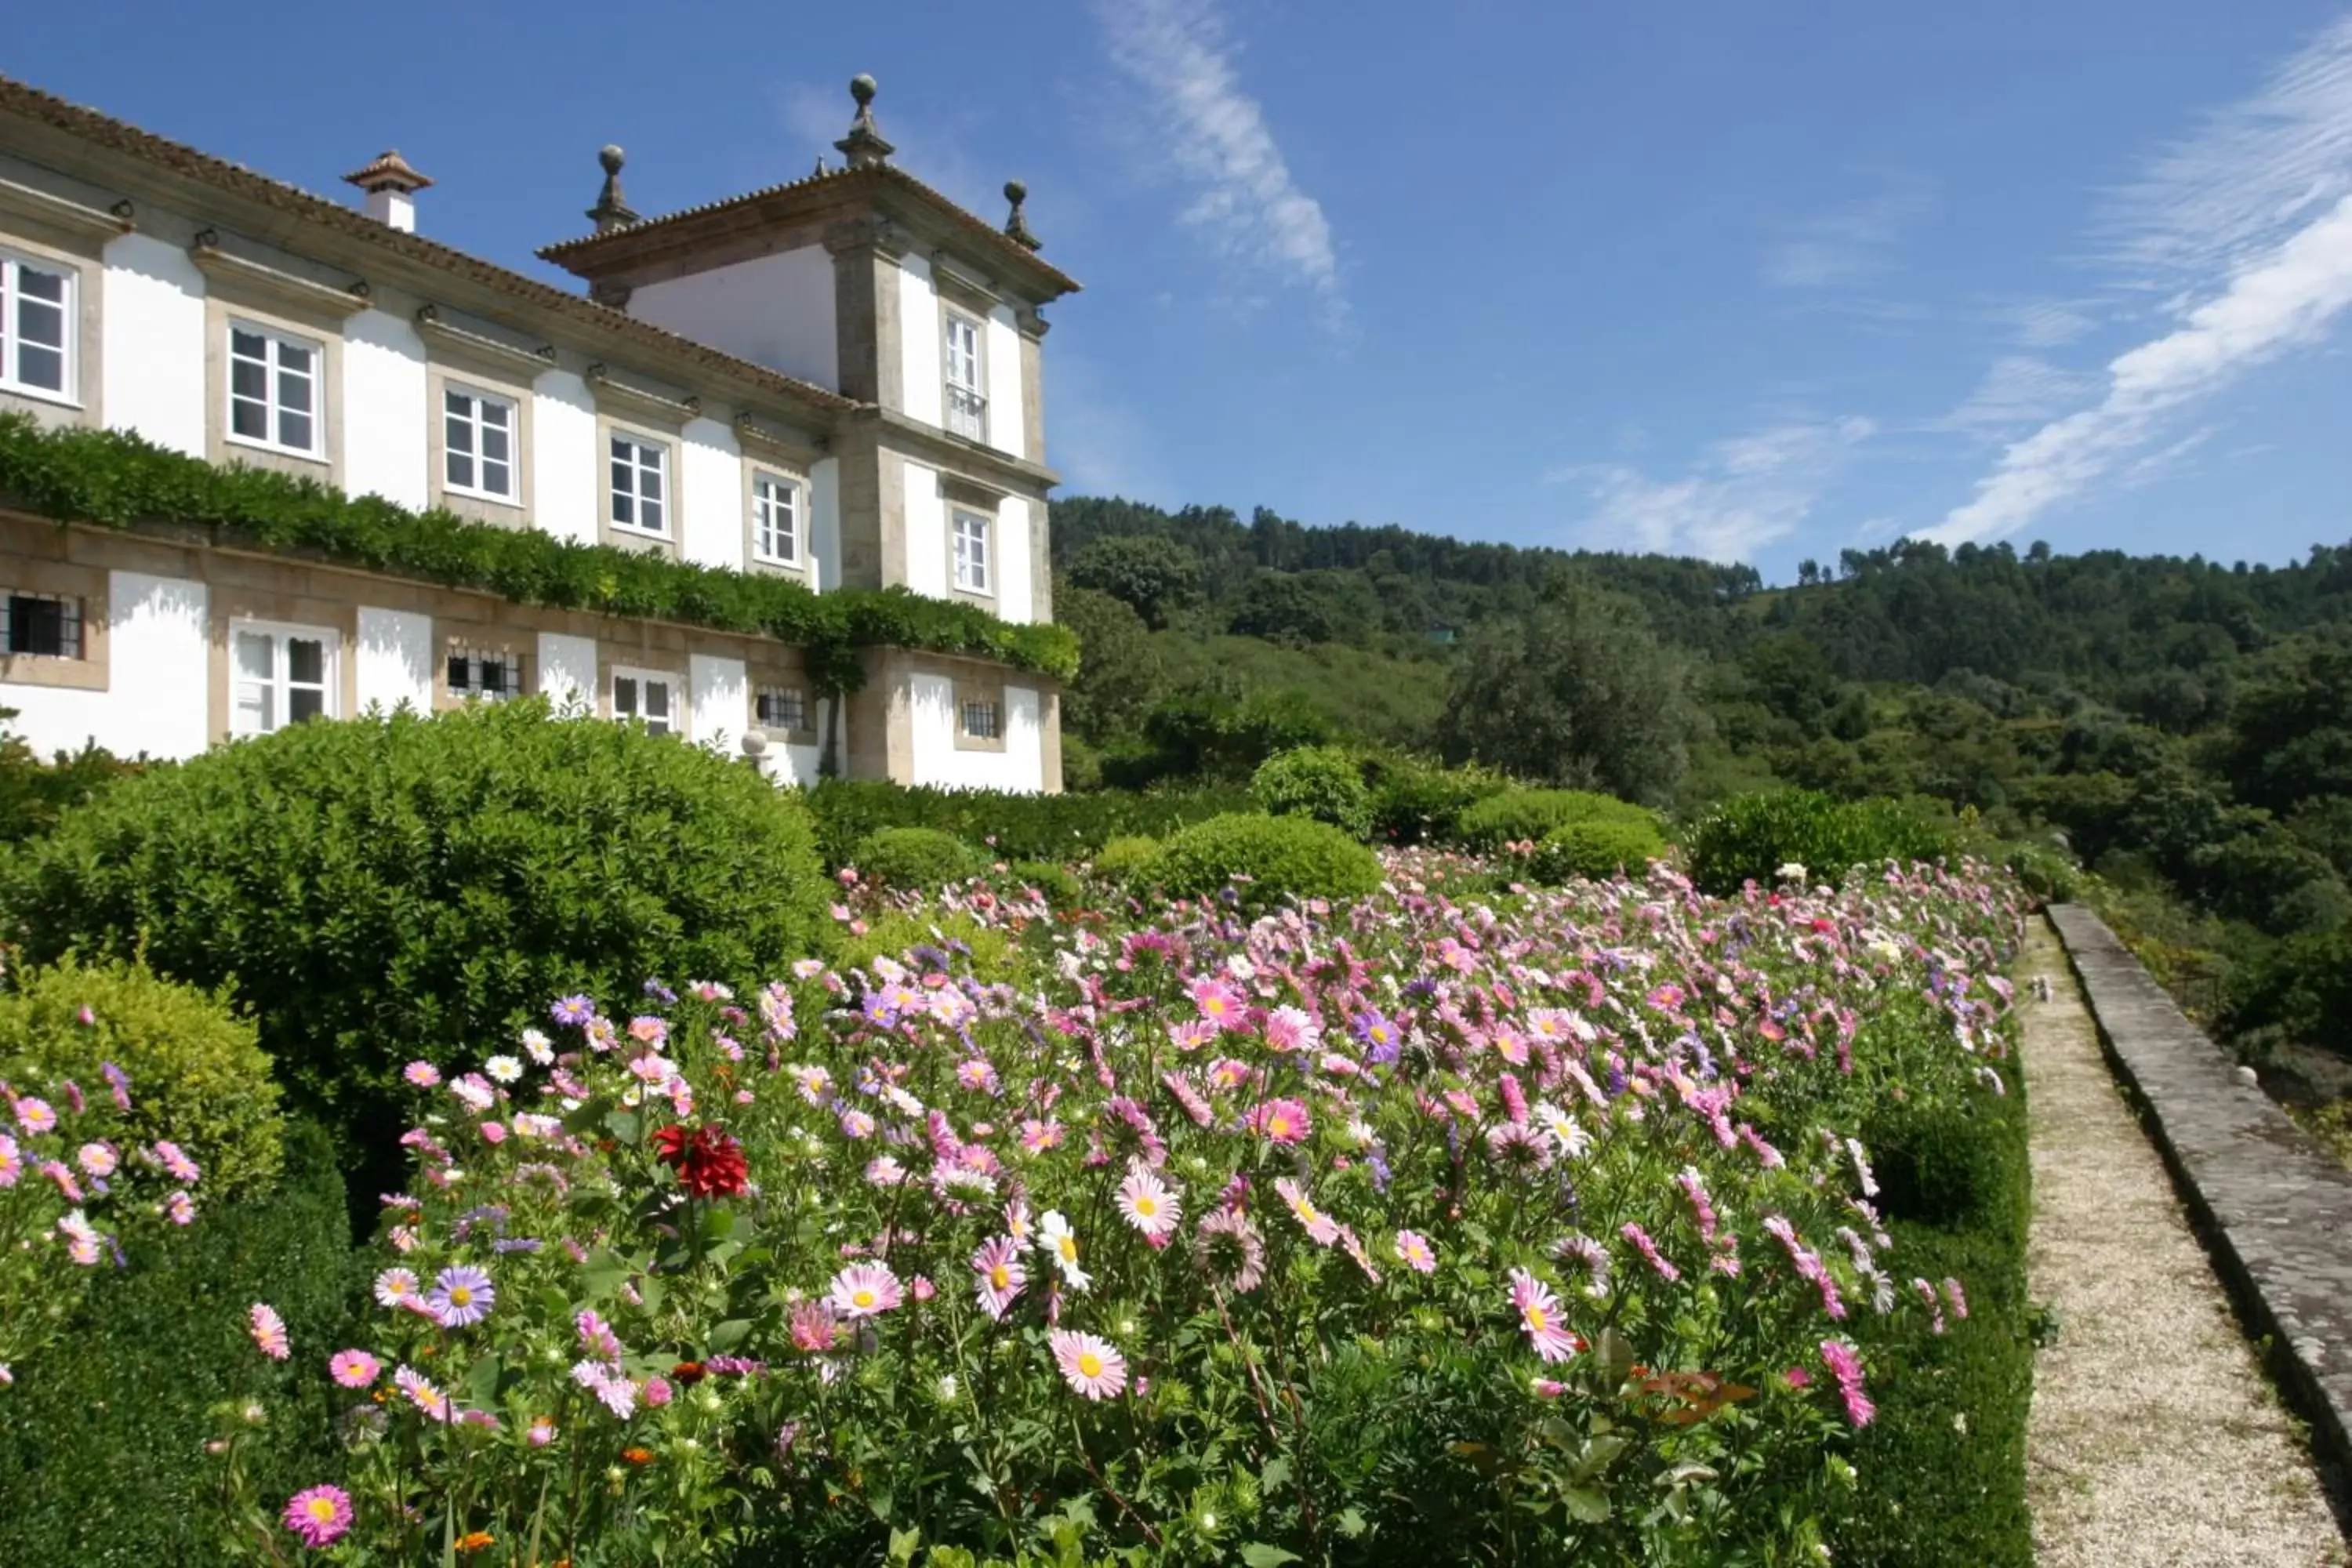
[
  {"x": 865, "y": 145},
  {"x": 1016, "y": 228},
  {"x": 612, "y": 210}
]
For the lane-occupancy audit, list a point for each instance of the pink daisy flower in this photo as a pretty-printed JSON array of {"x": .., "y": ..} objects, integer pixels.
[
  {"x": 180, "y": 1167},
  {"x": 1540, "y": 1315},
  {"x": 864, "y": 1290},
  {"x": 268, "y": 1330},
  {"x": 1149, "y": 1205},
  {"x": 1846, "y": 1367},
  {"x": 814, "y": 1328},
  {"x": 319, "y": 1517},
  {"x": 34, "y": 1115},
  {"x": 542, "y": 1433},
  {"x": 178, "y": 1207},
  {"x": 395, "y": 1287},
  {"x": 353, "y": 1369},
  {"x": 1281, "y": 1121},
  {"x": 1039, "y": 1136},
  {"x": 422, "y": 1392},
  {"x": 1319, "y": 1226},
  {"x": 998, "y": 1276},
  {"x": 1288, "y": 1029},
  {"x": 1220, "y": 1004},
  {"x": 1090, "y": 1365},
  {"x": 1413, "y": 1249},
  {"x": 423, "y": 1075},
  {"x": 97, "y": 1160}
]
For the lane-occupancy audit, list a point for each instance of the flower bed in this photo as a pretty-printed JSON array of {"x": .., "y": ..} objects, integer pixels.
[{"x": 1533, "y": 1229}]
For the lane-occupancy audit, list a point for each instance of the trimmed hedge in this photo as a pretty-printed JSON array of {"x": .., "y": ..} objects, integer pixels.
[
  {"x": 116, "y": 480},
  {"x": 1415, "y": 800},
  {"x": 102, "y": 1462},
  {"x": 196, "y": 1075},
  {"x": 1517, "y": 815},
  {"x": 1326, "y": 782},
  {"x": 1595, "y": 849},
  {"x": 1749, "y": 837},
  {"x": 1282, "y": 857},
  {"x": 917, "y": 858},
  {"x": 1057, "y": 827},
  {"x": 1122, "y": 858},
  {"x": 383, "y": 888}
]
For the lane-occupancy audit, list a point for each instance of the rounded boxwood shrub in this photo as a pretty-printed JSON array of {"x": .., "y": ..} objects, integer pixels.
[
  {"x": 383, "y": 888},
  {"x": 917, "y": 858},
  {"x": 1324, "y": 783},
  {"x": 1595, "y": 850},
  {"x": 197, "y": 1077},
  {"x": 1120, "y": 860},
  {"x": 1279, "y": 857},
  {"x": 1523, "y": 816},
  {"x": 102, "y": 1461}
]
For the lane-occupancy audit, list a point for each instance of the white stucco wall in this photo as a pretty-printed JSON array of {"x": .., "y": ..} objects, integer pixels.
[
  {"x": 567, "y": 671},
  {"x": 153, "y": 354},
  {"x": 931, "y": 704},
  {"x": 720, "y": 703},
  {"x": 385, "y": 416},
  {"x": 1014, "y": 600},
  {"x": 710, "y": 494},
  {"x": 824, "y": 523},
  {"x": 927, "y": 533},
  {"x": 396, "y": 660},
  {"x": 774, "y": 310},
  {"x": 159, "y": 678},
  {"x": 564, "y": 467},
  {"x": 1007, "y": 430},
  {"x": 920, "y": 338}
]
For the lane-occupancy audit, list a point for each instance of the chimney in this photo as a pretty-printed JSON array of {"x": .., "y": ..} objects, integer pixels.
[{"x": 391, "y": 187}]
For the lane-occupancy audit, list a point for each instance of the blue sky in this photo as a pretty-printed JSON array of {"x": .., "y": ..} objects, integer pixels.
[{"x": 1755, "y": 283}]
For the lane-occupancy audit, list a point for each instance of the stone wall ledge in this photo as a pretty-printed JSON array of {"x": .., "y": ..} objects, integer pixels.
[{"x": 2272, "y": 1207}]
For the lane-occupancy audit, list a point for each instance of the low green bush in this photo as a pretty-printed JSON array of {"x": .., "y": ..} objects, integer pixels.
[
  {"x": 1121, "y": 859},
  {"x": 1520, "y": 815},
  {"x": 1415, "y": 800},
  {"x": 2296, "y": 992},
  {"x": 1265, "y": 860},
  {"x": 916, "y": 859},
  {"x": 102, "y": 1461},
  {"x": 383, "y": 888},
  {"x": 1751, "y": 837},
  {"x": 196, "y": 1075},
  {"x": 1596, "y": 849},
  {"x": 1324, "y": 783},
  {"x": 1020, "y": 826},
  {"x": 33, "y": 792},
  {"x": 1062, "y": 890}
]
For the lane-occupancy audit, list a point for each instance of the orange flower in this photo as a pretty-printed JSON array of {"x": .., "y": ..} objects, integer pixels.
[
  {"x": 638, "y": 1455},
  {"x": 473, "y": 1541}
]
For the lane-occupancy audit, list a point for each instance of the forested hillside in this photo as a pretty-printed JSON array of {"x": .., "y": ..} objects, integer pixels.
[{"x": 2183, "y": 726}]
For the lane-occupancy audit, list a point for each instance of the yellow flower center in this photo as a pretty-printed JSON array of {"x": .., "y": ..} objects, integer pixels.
[
  {"x": 1145, "y": 1207},
  {"x": 861, "y": 1298},
  {"x": 459, "y": 1296},
  {"x": 1278, "y": 1126},
  {"x": 323, "y": 1510},
  {"x": 1068, "y": 1248},
  {"x": 1089, "y": 1363},
  {"x": 1535, "y": 1319},
  {"x": 1001, "y": 1277}
]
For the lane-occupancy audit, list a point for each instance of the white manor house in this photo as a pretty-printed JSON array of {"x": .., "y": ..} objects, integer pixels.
[{"x": 835, "y": 379}]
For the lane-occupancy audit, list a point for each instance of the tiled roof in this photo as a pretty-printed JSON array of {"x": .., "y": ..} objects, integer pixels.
[
  {"x": 114, "y": 135},
  {"x": 576, "y": 253}
]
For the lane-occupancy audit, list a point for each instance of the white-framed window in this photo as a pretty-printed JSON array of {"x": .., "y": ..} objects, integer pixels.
[
  {"x": 275, "y": 393},
  {"x": 983, "y": 718},
  {"x": 967, "y": 406},
  {"x": 484, "y": 675},
  {"x": 775, "y": 520},
  {"x": 478, "y": 456},
  {"x": 37, "y": 319},
  {"x": 781, "y": 707},
  {"x": 646, "y": 695},
  {"x": 280, "y": 676},
  {"x": 971, "y": 561},
  {"x": 640, "y": 485},
  {"x": 45, "y": 626}
]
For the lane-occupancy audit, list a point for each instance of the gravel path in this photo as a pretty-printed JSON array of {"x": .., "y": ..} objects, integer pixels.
[{"x": 2156, "y": 1439}]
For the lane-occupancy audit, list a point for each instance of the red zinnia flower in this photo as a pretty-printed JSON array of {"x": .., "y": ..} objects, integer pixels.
[
  {"x": 688, "y": 1372},
  {"x": 710, "y": 1165}
]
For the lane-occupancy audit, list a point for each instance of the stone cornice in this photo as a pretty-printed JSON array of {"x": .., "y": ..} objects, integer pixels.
[
  {"x": 985, "y": 465},
  {"x": 642, "y": 401},
  {"x": 243, "y": 277},
  {"x": 63, "y": 213},
  {"x": 758, "y": 435},
  {"x": 459, "y": 341}
]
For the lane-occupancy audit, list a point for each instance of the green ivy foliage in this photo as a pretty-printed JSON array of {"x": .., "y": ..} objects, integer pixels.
[
  {"x": 102, "y": 1461},
  {"x": 1326, "y": 782},
  {"x": 382, "y": 890},
  {"x": 1281, "y": 857},
  {"x": 117, "y": 480},
  {"x": 197, "y": 1077}
]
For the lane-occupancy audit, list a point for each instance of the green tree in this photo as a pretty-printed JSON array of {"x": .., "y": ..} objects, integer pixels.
[
  {"x": 1579, "y": 693},
  {"x": 1119, "y": 673},
  {"x": 2290, "y": 730},
  {"x": 1153, "y": 573}
]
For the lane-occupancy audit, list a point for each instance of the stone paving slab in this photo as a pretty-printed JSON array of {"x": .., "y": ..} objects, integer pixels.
[{"x": 2274, "y": 1209}]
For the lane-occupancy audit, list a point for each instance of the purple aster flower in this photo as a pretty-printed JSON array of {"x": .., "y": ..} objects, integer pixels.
[
  {"x": 661, "y": 993},
  {"x": 573, "y": 1010},
  {"x": 120, "y": 1082},
  {"x": 462, "y": 1296}
]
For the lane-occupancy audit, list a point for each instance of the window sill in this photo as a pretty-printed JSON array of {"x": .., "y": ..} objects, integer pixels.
[
  {"x": 43, "y": 394},
  {"x": 52, "y": 670},
  {"x": 274, "y": 450},
  {"x": 488, "y": 498}
]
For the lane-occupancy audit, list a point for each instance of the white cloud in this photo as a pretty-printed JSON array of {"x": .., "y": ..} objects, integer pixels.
[
  {"x": 2248, "y": 229},
  {"x": 2018, "y": 390},
  {"x": 2048, "y": 323},
  {"x": 1850, "y": 245},
  {"x": 1245, "y": 204},
  {"x": 1744, "y": 493}
]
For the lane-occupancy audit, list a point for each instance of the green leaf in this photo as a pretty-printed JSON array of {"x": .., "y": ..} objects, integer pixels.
[
  {"x": 1258, "y": 1554},
  {"x": 1585, "y": 1505},
  {"x": 1275, "y": 1474},
  {"x": 903, "y": 1544},
  {"x": 602, "y": 1273},
  {"x": 623, "y": 1125},
  {"x": 727, "y": 1335}
]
